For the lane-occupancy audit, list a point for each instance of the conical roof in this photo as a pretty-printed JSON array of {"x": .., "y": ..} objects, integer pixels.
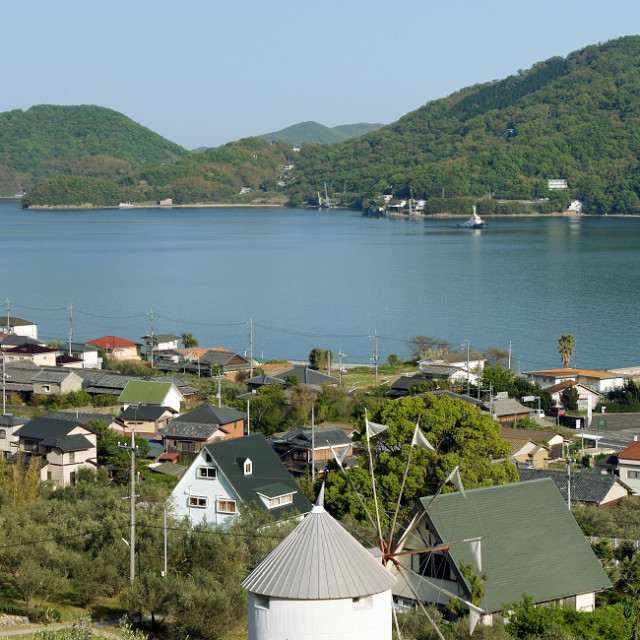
[{"x": 319, "y": 560}]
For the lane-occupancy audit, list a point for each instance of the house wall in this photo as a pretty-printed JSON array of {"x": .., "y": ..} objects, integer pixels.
[
  {"x": 365, "y": 618},
  {"x": 586, "y": 602},
  {"x": 615, "y": 495},
  {"x": 235, "y": 429},
  {"x": 214, "y": 489},
  {"x": 602, "y": 384},
  {"x": 28, "y": 330},
  {"x": 125, "y": 353},
  {"x": 629, "y": 473},
  {"x": 8, "y": 440},
  {"x": 173, "y": 399}
]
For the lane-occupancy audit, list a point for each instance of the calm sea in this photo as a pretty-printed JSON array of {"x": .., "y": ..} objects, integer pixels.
[{"x": 330, "y": 279}]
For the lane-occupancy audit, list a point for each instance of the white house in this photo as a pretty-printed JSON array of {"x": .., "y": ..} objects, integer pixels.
[
  {"x": 586, "y": 394},
  {"x": 629, "y": 467},
  {"x": 148, "y": 392},
  {"x": 64, "y": 445},
  {"x": 228, "y": 473},
  {"x": 320, "y": 583},
  {"x": 600, "y": 381},
  {"x": 159, "y": 342},
  {"x": 9, "y": 424},
  {"x": 18, "y": 326}
]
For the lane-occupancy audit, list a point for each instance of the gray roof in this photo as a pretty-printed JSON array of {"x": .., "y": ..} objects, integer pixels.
[
  {"x": 190, "y": 430},
  {"x": 319, "y": 560},
  {"x": 52, "y": 376},
  {"x": 306, "y": 375},
  {"x": 144, "y": 412},
  {"x": 508, "y": 407},
  {"x": 52, "y": 432},
  {"x": 587, "y": 487},
  {"x": 300, "y": 438},
  {"x": 208, "y": 414},
  {"x": 169, "y": 468},
  {"x": 76, "y": 442}
]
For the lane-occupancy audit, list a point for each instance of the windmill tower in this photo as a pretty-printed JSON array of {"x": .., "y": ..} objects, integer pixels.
[{"x": 319, "y": 583}]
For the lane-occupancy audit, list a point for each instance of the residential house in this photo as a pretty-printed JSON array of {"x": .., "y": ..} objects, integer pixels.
[
  {"x": 147, "y": 392},
  {"x": 65, "y": 446},
  {"x": 41, "y": 356},
  {"x": 117, "y": 348},
  {"x": 400, "y": 387},
  {"x": 553, "y": 440},
  {"x": 470, "y": 364},
  {"x": 506, "y": 411},
  {"x": 230, "y": 473},
  {"x": 88, "y": 354},
  {"x": 9, "y": 424},
  {"x": 587, "y": 487},
  {"x": 189, "y": 433},
  {"x": 49, "y": 381},
  {"x": 10, "y": 324},
  {"x": 526, "y": 452},
  {"x": 600, "y": 381},
  {"x": 305, "y": 446},
  {"x": 518, "y": 538},
  {"x": 198, "y": 361},
  {"x": 159, "y": 342},
  {"x": 9, "y": 342},
  {"x": 629, "y": 466},
  {"x": 586, "y": 395},
  {"x": 144, "y": 419}
]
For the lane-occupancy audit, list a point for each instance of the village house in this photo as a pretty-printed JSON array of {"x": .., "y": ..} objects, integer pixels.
[
  {"x": 9, "y": 424},
  {"x": 526, "y": 452},
  {"x": 187, "y": 434},
  {"x": 629, "y": 467},
  {"x": 48, "y": 381},
  {"x": 10, "y": 324},
  {"x": 587, "y": 397},
  {"x": 552, "y": 440},
  {"x": 472, "y": 363},
  {"x": 157, "y": 343},
  {"x": 304, "y": 375},
  {"x": 229, "y": 473},
  {"x": 600, "y": 381},
  {"x": 587, "y": 487},
  {"x": 117, "y": 348},
  {"x": 509, "y": 560},
  {"x": 64, "y": 446},
  {"x": 143, "y": 419},
  {"x": 302, "y": 447},
  {"x": 40, "y": 356},
  {"x": 87, "y": 354},
  {"x": 147, "y": 392}
]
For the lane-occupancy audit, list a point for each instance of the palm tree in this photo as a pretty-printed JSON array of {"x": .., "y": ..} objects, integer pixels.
[
  {"x": 566, "y": 347},
  {"x": 188, "y": 340}
]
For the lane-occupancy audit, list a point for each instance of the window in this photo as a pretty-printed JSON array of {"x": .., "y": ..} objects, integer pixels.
[
  {"x": 30, "y": 445},
  {"x": 46, "y": 388},
  {"x": 434, "y": 565},
  {"x": 261, "y": 601},
  {"x": 72, "y": 457},
  {"x": 187, "y": 446},
  {"x": 207, "y": 472},
  {"x": 633, "y": 474},
  {"x": 3, "y": 434},
  {"x": 201, "y": 502},
  {"x": 207, "y": 457},
  {"x": 226, "y": 506},
  {"x": 247, "y": 467},
  {"x": 278, "y": 501}
]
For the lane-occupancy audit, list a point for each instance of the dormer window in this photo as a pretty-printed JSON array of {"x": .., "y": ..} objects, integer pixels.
[{"x": 247, "y": 467}]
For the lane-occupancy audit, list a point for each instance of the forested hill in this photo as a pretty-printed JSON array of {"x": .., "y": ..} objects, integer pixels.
[
  {"x": 316, "y": 133},
  {"x": 47, "y": 140},
  {"x": 576, "y": 118}
]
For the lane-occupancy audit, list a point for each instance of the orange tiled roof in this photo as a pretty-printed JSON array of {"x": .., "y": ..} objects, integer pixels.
[
  {"x": 632, "y": 452},
  {"x": 588, "y": 373},
  {"x": 112, "y": 342}
]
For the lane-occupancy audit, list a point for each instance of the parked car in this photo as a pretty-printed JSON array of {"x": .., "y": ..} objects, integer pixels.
[
  {"x": 536, "y": 413},
  {"x": 556, "y": 411}
]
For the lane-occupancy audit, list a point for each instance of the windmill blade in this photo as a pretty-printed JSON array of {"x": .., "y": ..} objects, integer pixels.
[{"x": 422, "y": 607}]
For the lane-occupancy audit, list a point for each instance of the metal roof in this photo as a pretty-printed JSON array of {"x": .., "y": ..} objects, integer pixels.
[{"x": 319, "y": 560}]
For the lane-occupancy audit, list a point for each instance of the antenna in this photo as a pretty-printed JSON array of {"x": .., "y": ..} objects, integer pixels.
[
  {"x": 375, "y": 358},
  {"x": 151, "y": 337},
  {"x": 251, "y": 347},
  {"x": 7, "y": 303},
  {"x": 340, "y": 356}
]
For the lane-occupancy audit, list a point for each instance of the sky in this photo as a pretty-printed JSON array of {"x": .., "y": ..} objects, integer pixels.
[{"x": 202, "y": 73}]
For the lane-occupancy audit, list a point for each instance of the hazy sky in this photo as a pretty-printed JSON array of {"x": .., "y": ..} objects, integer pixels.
[{"x": 205, "y": 72}]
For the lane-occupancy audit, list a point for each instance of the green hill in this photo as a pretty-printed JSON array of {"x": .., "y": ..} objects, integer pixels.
[
  {"x": 576, "y": 118},
  {"x": 316, "y": 133},
  {"x": 48, "y": 140}
]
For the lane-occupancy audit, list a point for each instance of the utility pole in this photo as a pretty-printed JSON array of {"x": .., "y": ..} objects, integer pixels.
[
  {"x": 70, "y": 326},
  {"x": 164, "y": 526},
  {"x": 151, "y": 337},
  {"x": 340, "y": 356},
  {"x": 375, "y": 357},
  {"x": 313, "y": 442},
  {"x": 132, "y": 491},
  {"x": 4, "y": 384},
  {"x": 251, "y": 347},
  {"x": 7, "y": 303}
]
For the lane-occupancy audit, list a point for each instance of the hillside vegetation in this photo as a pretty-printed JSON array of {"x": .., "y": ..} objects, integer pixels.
[
  {"x": 316, "y": 133},
  {"x": 49, "y": 140},
  {"x": 575, "y": 118}
]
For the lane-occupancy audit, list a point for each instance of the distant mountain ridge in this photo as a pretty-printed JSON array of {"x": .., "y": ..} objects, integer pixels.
[
  {"x": 316, "y": 133},
  {"x": 576, "y": 119}
]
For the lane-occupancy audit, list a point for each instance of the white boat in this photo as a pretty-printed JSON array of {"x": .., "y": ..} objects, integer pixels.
[
  {"x": 125, "y": 205},
  {"x": 474, "y": 222}
]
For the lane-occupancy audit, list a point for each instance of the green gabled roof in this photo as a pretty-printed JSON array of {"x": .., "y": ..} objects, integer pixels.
[
  {"x": 145, "y": 392},
  {"x": 267, "y": 472},
  {"x": 531, "y": 544}
]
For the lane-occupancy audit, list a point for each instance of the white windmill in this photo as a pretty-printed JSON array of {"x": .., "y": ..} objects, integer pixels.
[
  {"x": 394, "y": 546},
  {"x": 319, "y": 583}
]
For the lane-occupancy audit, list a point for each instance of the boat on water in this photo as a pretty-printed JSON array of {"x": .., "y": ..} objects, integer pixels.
[
  {"x": 125, "y": 205},
  {"x": 474, "y": 222}
]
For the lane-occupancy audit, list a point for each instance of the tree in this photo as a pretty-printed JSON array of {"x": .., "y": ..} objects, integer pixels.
[
  {"x": 570, "y": 398},
  {"x": 497, "y": 357},
  {"x": 188, "y": 340},
  {"x": 268, "y": 409},
  {"x": 320, "y": 358},
  {"x": 426, "y": 347},
  {"x": 566, "y": 347}
]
